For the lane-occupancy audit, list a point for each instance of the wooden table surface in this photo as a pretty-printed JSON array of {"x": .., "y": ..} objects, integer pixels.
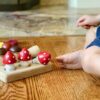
[{"x": 59, "y": 84}]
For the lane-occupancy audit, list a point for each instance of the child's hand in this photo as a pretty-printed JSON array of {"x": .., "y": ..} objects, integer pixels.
[{"x": 88, "y": 21}]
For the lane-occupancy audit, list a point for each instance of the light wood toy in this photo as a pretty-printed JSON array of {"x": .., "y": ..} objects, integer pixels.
[{"x": 28, "y": 63}]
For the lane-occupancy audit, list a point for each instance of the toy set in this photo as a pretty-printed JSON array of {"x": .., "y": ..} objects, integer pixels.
[{"x": 18, "y": 63}]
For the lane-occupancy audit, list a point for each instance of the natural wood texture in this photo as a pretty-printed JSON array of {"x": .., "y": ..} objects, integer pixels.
[{"x": 60, "y": 84}]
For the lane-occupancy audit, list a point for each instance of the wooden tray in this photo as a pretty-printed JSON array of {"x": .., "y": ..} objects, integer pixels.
[{"x": 21, "y": 73}]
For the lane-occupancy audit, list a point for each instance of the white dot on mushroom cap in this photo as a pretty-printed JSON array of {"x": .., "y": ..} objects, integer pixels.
[
  {"x": 41, "y": 56},
  {"x": 44, "y": 53},
  {"x": 21, "y": 58},
  {"x": 44, "y": 58},
  {"x": 9, "y": 61},
  {"x": 25, "y": 52},
  {"x": 13, "y": 56},
  {"x": 44, "y": 63},
  {"x": 28, "y": 57},
  {"x": 7, "y": 56}
]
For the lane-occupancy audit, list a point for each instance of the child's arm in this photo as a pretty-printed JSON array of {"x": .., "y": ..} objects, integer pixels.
[{"x": 87, "y": 21}]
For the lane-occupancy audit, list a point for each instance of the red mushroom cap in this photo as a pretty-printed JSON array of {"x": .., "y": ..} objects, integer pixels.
[
  {"x": 24, "y": 55},
  {"x": 13, "y": 42},
  {"x": 9, "y": 58},
  {"x": 44, "y": 57}
]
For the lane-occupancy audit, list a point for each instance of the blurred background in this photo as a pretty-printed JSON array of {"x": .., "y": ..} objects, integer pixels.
[{"x": 44, "y": 17}]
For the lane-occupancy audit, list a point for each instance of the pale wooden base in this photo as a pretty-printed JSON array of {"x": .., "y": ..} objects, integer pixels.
[{"x": 35, "y": 69}]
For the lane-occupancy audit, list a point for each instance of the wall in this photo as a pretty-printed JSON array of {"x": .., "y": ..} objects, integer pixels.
[{"x": 84, "y": 3}]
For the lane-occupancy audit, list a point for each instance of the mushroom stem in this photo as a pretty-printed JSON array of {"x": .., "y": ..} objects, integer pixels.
[
  {"x": 35, "y": 61},
  {"x": 25, "y": 63},
  {"x": 9, "y": 67}
]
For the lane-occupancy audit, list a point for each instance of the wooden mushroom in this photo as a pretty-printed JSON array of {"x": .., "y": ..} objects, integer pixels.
[
  {"x": 25, "y": 58},
  {"x": 42, "y": 58},
  {"x": 8, "y": 61}
]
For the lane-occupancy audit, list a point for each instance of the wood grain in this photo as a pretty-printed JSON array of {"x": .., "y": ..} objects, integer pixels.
[{"x": 60, "y": 84}]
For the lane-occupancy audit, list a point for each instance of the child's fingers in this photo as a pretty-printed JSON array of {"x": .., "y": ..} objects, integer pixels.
[
  {"x": 87, "y": 26},
  {"x": 69, "y": 66},
  {"x": 61, "y": 65},
  {"x": 84, "y": 23},
  {"x": 64, "y": 59},
  {"x": 72, "y": 66},
  {"x": 80, "y": 20},
  {"x": 59, "y": 59}
]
